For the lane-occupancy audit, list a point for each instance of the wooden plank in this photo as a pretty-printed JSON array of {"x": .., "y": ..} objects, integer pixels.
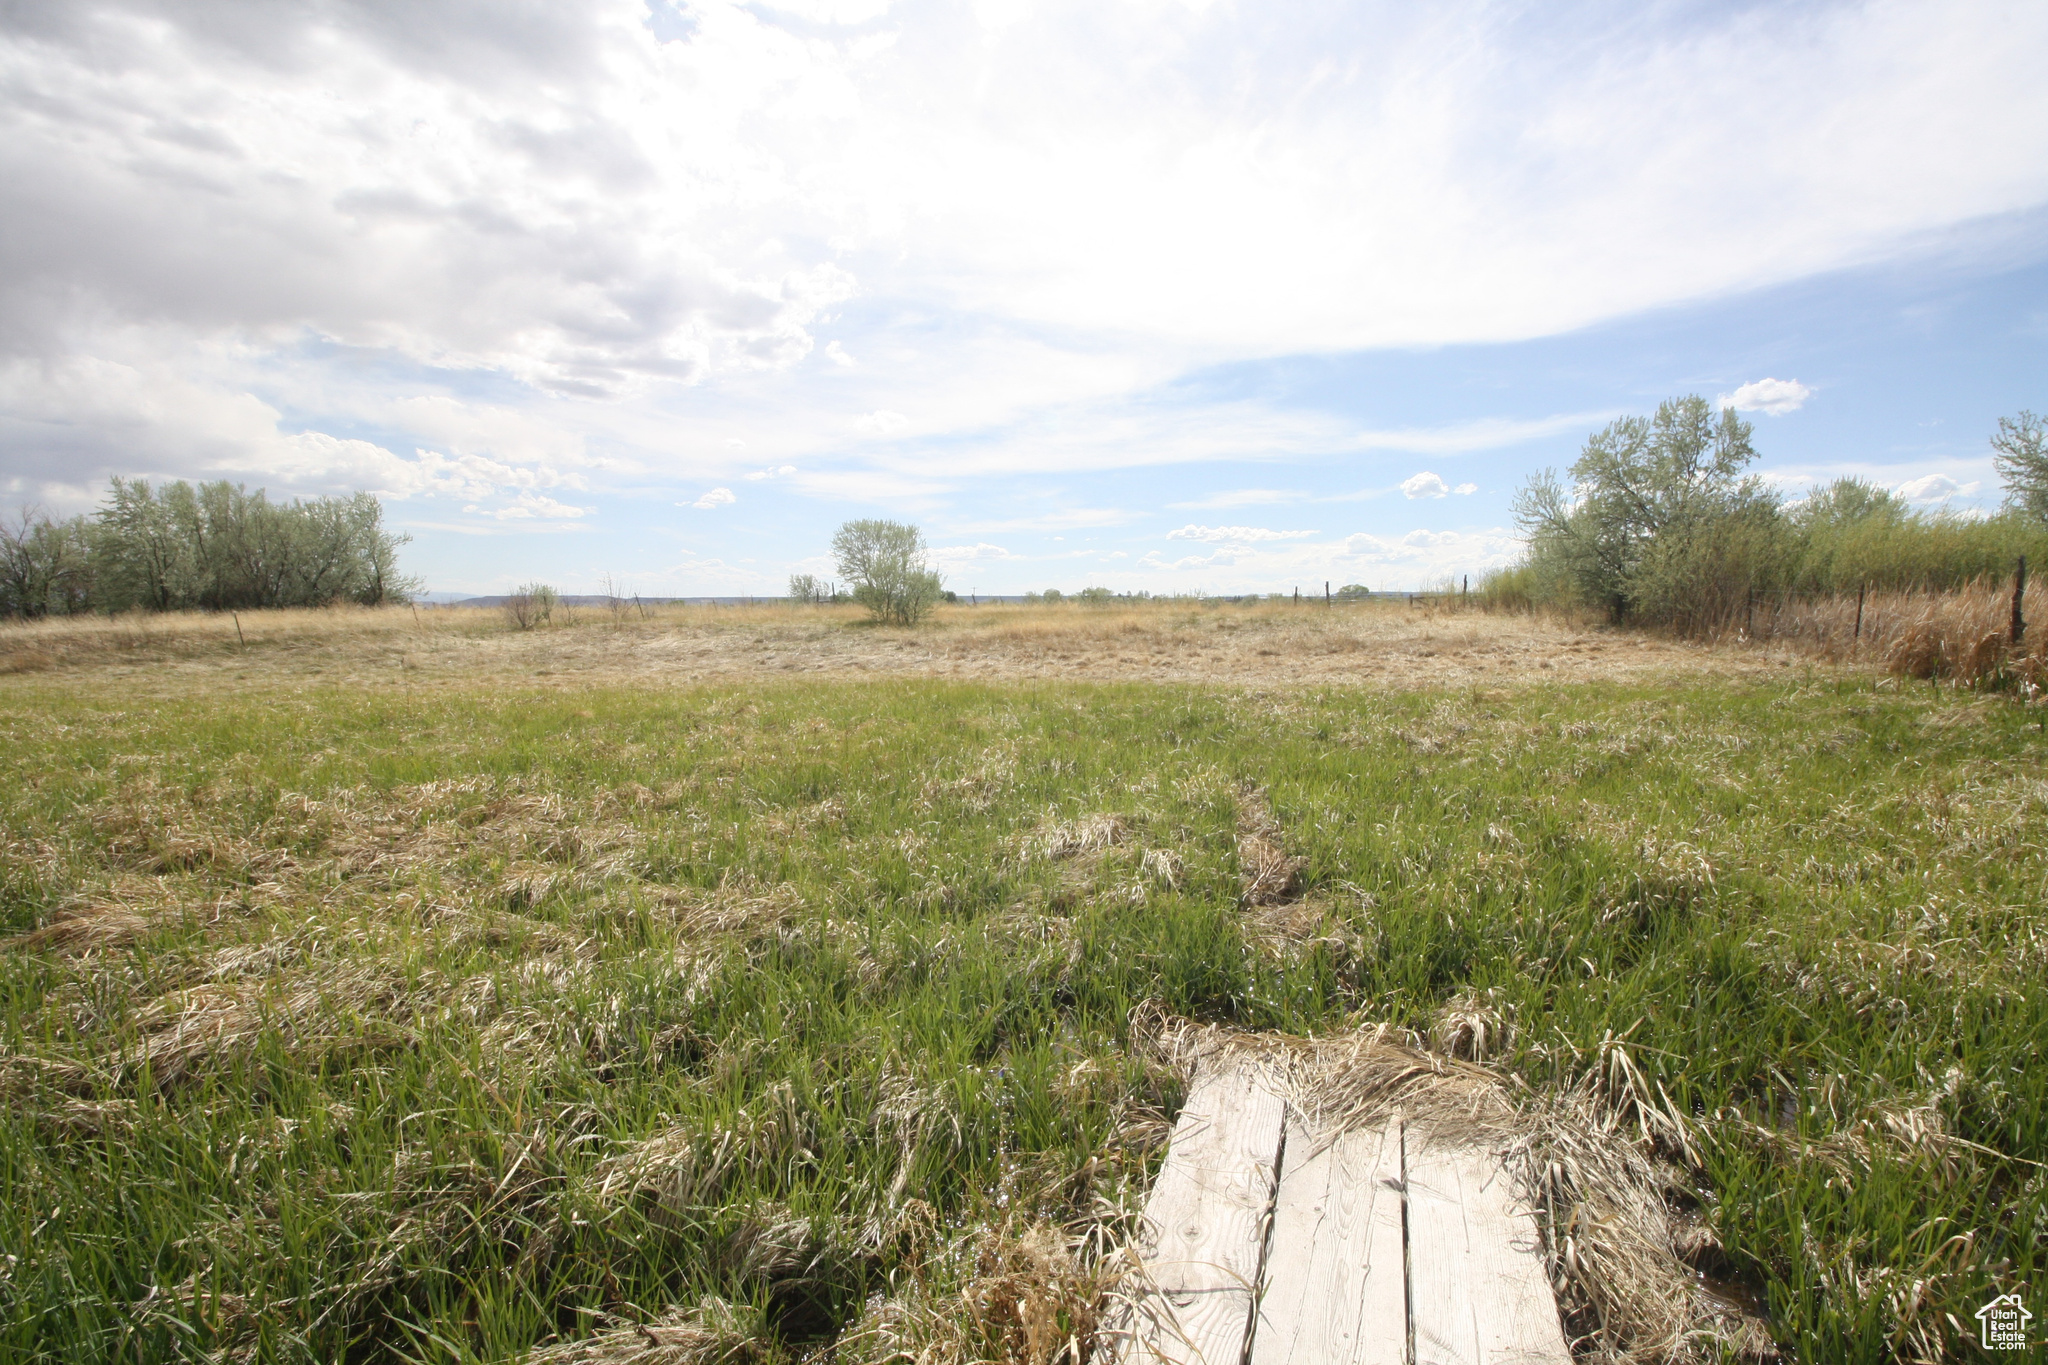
[
  {"x": 1204, "y": 1231},
  {"x": 1336, "y": 1283},
  {"x": 1477, "y": 1290}
]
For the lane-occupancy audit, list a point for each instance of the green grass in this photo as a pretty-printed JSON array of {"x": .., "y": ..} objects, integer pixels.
[{"x": 801, "y": 920}]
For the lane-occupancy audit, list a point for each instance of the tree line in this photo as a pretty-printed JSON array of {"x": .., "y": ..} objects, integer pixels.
[
  {"x": 1660, "y": 525},
  {"x": 214, "y": 546}
]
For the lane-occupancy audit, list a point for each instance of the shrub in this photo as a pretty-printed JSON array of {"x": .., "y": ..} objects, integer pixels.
[{"x": 531, "y": 605}]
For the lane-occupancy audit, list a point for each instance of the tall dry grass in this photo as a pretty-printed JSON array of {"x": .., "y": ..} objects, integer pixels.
[{"x": 1961, "y": 636}]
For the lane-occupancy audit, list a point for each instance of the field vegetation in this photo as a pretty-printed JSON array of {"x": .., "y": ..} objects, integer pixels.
[
  {"x": 1660, "y": 526},
  {"x": 215, "y": 546},
  {"x": 706, "y": 987}
]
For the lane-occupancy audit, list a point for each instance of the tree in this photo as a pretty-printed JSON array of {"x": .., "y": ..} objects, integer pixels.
[
  {"x": 887, "y": 565},
  {"x": 43, "y": 565},
  {"x": 2022, "y": 462},
  {"x": 1660, "y": 523}
]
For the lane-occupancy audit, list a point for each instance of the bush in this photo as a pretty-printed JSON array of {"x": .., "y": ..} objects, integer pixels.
[
  {"x": 886, "y": 563},
  {"x": 531, "y": 605},
  {"x": 1853, "y": 535}
]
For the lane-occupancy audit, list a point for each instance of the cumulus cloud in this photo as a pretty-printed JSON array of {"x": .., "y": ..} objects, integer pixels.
[
  {"x": 1773, "y": 396},
  {"x": 1418, "y": 555},
  {"x": 1466, "y": 489},
  {"x": 1935, "y": 488},
  {"x": 717, "y": 497},
  {"x": 483, "y": 190},
  {"x": 969, "y": 554},
  {"x": 529, "y": 506},
  {"x": 1424, "y": 485},
  {"x": 774, "y": 472},
  {"x": 1241, "y": 535}
]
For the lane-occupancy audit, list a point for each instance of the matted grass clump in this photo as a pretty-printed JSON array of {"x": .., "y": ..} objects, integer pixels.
[{"x": 740, "y": 1024}]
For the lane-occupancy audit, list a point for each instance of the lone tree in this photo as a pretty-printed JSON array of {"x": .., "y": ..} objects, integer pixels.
[
  {"x": 1659, "y": 523},
  {"x": 885, "y": 561},
  {"x": 2022, "y": 462}
]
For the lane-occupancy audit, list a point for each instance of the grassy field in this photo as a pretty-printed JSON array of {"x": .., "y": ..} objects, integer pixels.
[{"x": 445, "y": 1012}]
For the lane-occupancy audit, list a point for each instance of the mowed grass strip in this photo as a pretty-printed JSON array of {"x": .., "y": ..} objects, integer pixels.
[{"x": 344, "y": 1024}]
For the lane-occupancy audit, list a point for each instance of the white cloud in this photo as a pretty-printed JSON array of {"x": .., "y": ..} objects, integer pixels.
[
  {"x": 1424, "y": 485},
  {"x": 1059, "y": 519},
  {"x": 1421, "y": 554},
  {"x": 531, "y": 506},
  {"x": 1935, "y": 488},
  {"x": 1240, "y": 497},
  {"x": 1224, "y": 558},
  {"x": 1773, "y": 396},
  {"x": 1466, "y": 489},
  {"x": 1240, "y": 535},
  {"x": 882, "y": 422},
  {"x": 947, "y": 555},
  {"x": 775, "y": 472},
  {"x": 717, "y": 497},
  {"x": 1485, "y": 433},
  {"x": 1025, "y": 225}
]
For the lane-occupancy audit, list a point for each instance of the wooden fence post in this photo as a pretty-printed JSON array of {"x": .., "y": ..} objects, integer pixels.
[
  {"x": 2019, "y": 592},
  {"x": 1859, "y": 611},
  {"x": 1326, "y": 593}
]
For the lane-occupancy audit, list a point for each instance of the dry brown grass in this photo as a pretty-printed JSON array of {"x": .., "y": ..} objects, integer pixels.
[
  {"x": 1962, "y": 636},
  {"x": 1262, "y": 645}
]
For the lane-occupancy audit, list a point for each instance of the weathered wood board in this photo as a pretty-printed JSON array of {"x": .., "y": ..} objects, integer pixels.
[
  {"x": 1336, "y": 1285},
  {"x": 1477, "y": 1290},
  {"x": 1205, "y": 1223},
  {"x": 1268, "y": 1246}
]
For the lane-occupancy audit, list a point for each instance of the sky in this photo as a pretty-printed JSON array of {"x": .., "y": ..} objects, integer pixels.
[{"x": 1156, "y": 295}]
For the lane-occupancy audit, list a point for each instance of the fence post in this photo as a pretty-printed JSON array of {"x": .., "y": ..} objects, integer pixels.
[
  {"x": 1326, "y": 593},
  {"x": 2019, "y": 592},
  {"x": 1749, "y": 613},
  {"x": 1859, "y": 611}
]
